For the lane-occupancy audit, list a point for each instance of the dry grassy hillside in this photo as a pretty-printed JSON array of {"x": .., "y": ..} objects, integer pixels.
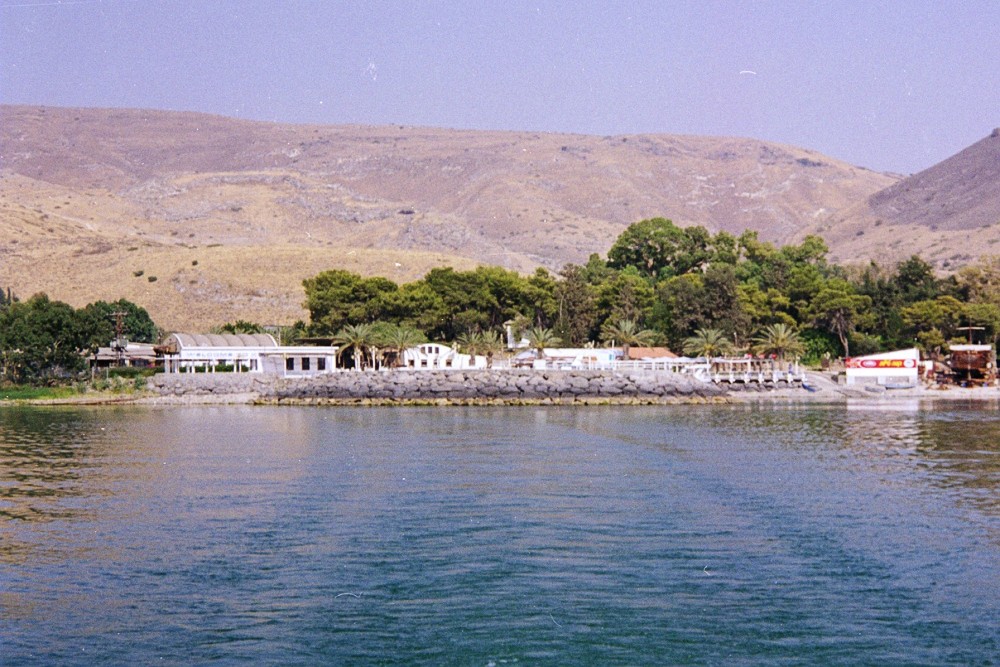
[
  {"x": 90, "y": 197},
  {"x": 949, "y": 214}
]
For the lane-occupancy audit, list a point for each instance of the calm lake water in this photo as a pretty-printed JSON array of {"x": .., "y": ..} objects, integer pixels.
[{"x": 486, "y": 536}]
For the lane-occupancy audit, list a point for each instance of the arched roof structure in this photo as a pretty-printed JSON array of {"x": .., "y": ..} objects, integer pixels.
[{"x": 191, "y": 340}]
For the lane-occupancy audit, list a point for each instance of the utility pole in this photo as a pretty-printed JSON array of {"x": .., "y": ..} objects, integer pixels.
[{"x": 120, "y": 343}]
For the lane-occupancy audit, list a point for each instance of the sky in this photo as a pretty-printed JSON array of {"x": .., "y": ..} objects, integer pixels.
[{"x": 896, "y": 85}]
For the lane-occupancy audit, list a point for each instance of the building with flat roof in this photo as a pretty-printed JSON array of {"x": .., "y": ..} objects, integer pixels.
[
  {"x": 900, "y": 367},
  {"x": 243, "y": 353}
]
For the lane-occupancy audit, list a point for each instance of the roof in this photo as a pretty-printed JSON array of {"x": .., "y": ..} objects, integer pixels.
[
  {"x": 639, "y": 353},
  {"x": 134, "y": 351},
  {"x": 570, "y": 353},
  {"x": 188, "y": 340}
]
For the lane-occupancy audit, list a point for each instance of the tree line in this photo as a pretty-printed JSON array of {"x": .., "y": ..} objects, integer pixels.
[
  {"x": 684, "y": 288},
  {"x": 46, "y": 340}
]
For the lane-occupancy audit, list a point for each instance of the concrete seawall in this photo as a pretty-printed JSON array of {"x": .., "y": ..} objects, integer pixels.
[{"x": 438, "y": 386}]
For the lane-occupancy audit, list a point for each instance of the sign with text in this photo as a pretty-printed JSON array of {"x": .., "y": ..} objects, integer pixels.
[{"x": 881, "y": 363}]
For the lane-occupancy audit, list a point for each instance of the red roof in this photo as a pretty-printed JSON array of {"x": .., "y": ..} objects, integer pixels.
[{"x": 637, "y": 353}]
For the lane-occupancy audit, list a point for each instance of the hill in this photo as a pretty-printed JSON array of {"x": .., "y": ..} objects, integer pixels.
[
  {"x": 206, "y": 219},
  {"x": 949, "y": 214}
]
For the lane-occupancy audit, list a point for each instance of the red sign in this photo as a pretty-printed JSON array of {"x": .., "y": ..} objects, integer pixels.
[{"x": 881, "y": 363}]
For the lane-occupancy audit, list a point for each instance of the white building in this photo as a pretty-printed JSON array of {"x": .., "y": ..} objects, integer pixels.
[
  {"x": 439, "y": 355},
  {"x": 142, "y": 355},
  {"x": 583, "y": 358},
  {"x": 243, "y": 353},
  {"x": 901, "y": 367}
]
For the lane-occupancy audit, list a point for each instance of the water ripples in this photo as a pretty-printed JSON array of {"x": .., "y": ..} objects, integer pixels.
[{"x": 742, "y": 535}]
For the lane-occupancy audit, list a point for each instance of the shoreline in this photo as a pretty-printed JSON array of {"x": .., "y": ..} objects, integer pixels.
[{"x": 244, "y": 390}]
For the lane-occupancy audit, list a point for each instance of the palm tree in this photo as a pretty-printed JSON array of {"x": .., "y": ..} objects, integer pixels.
[
  {"x": 707, "y": 343},
  {"x": 779, "y": 339},
  {"x": 541, "y": 337},
  {"x": 489, "y": 344},
  {"x": 628, "y": 333},
  {"x": 357, "y": 337},
  {"x": 470, "y": 343},
  {"x": 399, "y": 339}
]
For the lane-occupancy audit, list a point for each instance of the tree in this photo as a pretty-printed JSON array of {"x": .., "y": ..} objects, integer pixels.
[
  {"x": 625, "y": 296},
  {"x": 359, "y": 339},
  {"x": 915, "y": 280},
  {"x": 577, "y": 306},
  {"x": 99, "y": 319},
  {"x": 779, "y": 339},
  {"x": 41, "y": 339},
  {"x": 677, "y": 311},
  {"x": 416, "y": 305},
  {"x": 399, "y": 339},
  {"x": 707, "y": 343},
  {"x": 6, "y": 298},
  {"x": 763, "y": 307},
  {"x": 882, "y": 288},
  {"x": 336, "y": 298},
  {"x": 658, "y": 248},
  {"x": 708, "y": 300},
  {"x": 802, "y": 283},
  {"x": 470, "y": 343},
  {"x": 762, "y": 264},
  {"x": 627, "y": 333},
  {"x": 721, "y": 305},
  {"x": 812, "y": 250},
  {"x": 540, "y": 338},
  {"x": 648, "y": 245},
  {"x": 837, "y": 308},
  {"x": 241, "y": 327},
  {"x": 986, "y": 315},
  {"x": 478, "y": 300},
  {"x": 596, "y": 270},
  {"x": 981, "y": 281},
  {"x": 490, "y": 343},
  {"x": 933, "y": 322}
]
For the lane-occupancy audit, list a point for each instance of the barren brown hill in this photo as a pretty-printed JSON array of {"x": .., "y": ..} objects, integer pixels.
[
  {"x": 949, "y": 214},
  {"x": 229, "y": 216}
]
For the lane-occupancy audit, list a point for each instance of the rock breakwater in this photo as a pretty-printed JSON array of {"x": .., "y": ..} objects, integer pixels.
[{"x": 440, "y": 386}]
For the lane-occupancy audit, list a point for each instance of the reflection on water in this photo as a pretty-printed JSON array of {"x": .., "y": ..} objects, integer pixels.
[
  {"x": 606, "y": 535},
  {"x": 43, "y": 455},
  {"x": 951, "y": 446}
]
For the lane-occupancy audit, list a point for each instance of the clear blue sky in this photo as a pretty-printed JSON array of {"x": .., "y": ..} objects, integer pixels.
[{"x": 893, "y": 86}]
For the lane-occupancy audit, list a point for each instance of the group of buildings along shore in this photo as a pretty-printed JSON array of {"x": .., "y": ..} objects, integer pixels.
[{"x": 968, "y": 364}]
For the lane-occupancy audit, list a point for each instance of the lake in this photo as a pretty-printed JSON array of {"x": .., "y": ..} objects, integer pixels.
[{"x": 756, "y": 535}]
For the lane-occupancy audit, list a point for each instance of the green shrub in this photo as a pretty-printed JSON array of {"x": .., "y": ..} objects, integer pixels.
[
  {"x": 129, "y": 372},
  {"x": 27, "y": 392}
]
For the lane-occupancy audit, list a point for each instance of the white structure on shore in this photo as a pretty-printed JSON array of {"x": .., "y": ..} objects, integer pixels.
[
  {"x": 438, "y": 356},
  {"x": 901, "y": 367},
  {"x": 554, "y": 358},
  {"x": 243, "y": 353}
]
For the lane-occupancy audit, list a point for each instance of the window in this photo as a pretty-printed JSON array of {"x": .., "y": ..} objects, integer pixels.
[
  {"x": 305, "y": 363},
  {"x": 290, "y": 364},
  {"x": 321, "y": 364}
]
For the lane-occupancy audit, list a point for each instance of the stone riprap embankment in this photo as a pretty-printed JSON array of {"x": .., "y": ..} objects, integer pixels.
[
  {"x": 433, "y": 386},
  {"x": 209, "y": 387}
]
